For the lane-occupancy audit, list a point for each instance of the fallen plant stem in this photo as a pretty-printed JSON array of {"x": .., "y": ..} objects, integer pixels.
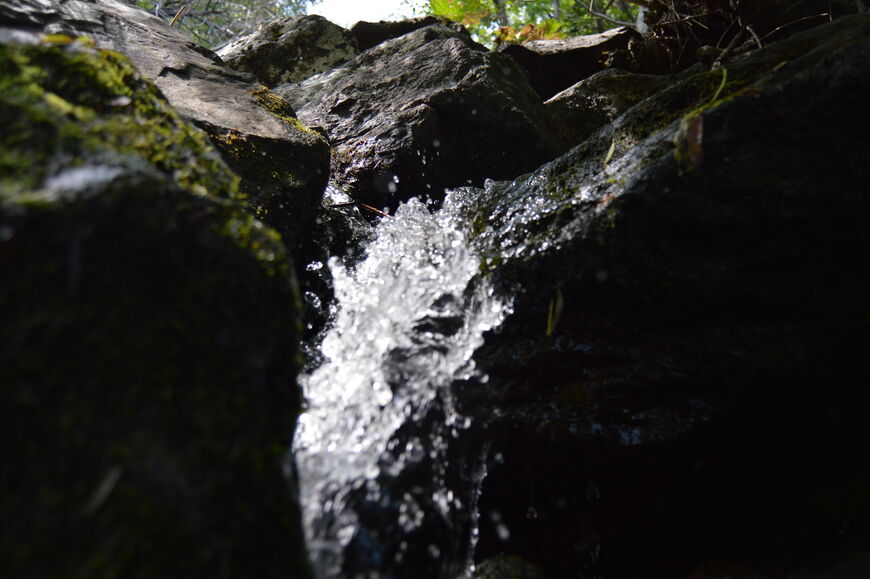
[
  {"x": 358, "y": 204},
  {"x": 787, "y": 24},
  {"x": 721, "y": 86}
]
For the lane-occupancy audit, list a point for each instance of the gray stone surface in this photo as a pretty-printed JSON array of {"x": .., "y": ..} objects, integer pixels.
[
  {"x": 422, "y": 112},
  {"x": 216, "y": 98},
  {"x": 290, "y": 50}
]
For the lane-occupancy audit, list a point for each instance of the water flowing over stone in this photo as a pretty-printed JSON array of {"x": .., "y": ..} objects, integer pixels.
[{"x": 407, "y": 320}]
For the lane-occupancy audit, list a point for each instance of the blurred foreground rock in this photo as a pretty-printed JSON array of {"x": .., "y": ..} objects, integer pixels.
[{"x": 149, "y": 326}]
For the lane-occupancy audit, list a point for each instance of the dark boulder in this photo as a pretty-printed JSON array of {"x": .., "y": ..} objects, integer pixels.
[
  {"x": 290, "y": 50},
  {"x": 680, "y": 390},
  {"x": 580, "y": 110},
  {"x": 283, "y": 165},
  {"x": 422, "y": 112},
  {"x": 554, "y": 65},
  {"x": 149, "y": 328},
  {"x": 370, "y": 34}
]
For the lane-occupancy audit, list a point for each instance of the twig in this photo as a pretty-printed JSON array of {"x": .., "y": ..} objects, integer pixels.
[
  {"x": 603, "y": 16},
  {"x": 787, "y": 24},
  {"x": 754, "y": 36},
  {"x": 729, "y": 49},
  {"x": 358, "y": 204}
]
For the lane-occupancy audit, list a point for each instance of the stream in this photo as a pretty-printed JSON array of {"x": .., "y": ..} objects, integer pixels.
[{"x": 389, "y": 470}]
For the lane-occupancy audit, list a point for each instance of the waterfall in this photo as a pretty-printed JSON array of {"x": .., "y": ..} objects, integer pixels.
[{"x": 373, "y": 447}]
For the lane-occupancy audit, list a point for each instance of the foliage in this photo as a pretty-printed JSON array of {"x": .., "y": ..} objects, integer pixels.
[
  {"x": 215, "y": 22},
  {"x": 500, "y": 21}
]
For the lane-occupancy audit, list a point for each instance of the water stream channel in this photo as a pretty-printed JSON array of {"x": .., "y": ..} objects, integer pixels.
[{"x": 383, "y": 490}]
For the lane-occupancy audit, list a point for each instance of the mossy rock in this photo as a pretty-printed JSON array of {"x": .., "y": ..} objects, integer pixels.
[
  {"x": 68, "y": 104},
  {"x": 149, "y": 330}
]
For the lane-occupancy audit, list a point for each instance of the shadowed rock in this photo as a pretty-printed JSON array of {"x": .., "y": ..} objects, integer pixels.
[
  {"x": 680, "y": 386},
  {"x": 149, "y": 328},
  {"x": 580, "y": 110}
]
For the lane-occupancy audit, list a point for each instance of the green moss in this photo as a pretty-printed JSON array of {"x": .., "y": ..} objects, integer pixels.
[
  {"x": 279, "y": 108},
  {"x": 94, "y": 107}
]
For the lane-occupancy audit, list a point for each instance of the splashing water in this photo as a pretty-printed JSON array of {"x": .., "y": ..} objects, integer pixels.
[{"x": 406, "y": 322}]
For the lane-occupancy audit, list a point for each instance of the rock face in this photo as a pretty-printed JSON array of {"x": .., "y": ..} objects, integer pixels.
[
  {"x": 281, "y": 162},
  {"x": 554, "y": 65},
  {"x": 370, "y": 34},
  {"x": 290, "y": 50},
  {"x": 680, "y": 386},
  {"x": 149, "y": 329},
  {"x": 580, "y": 110},
  {"x": 422, "y": 112}
]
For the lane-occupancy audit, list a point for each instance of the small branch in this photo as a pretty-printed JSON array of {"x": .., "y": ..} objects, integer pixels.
[
  {"x": 603, "y": 16},
  {"x": 729, "y": 49},
  {"x": 754, "y": 36},
  {"x": 787, "y": 24},
  {"x": 179, "y": 15},
  {"x": 358, "y": 204}
]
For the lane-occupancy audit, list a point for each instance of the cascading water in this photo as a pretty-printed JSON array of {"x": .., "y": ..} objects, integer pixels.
[{"x": 375, "y": 450}]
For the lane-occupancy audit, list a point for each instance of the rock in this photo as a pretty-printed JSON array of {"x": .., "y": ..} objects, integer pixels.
[
  {"x": 554, "y": 65},
  {"x": 501, "y": 567},
  {"x": 422, "y": 112},
  {"x": 283, "y": 165},
  {"x": 149, "y": 328},
  {"x": 580, "y": 110},
  {"x": 679, "y": 388},
  {"x": 290, "y": 50},
  {"x": 370, "y": 34}
]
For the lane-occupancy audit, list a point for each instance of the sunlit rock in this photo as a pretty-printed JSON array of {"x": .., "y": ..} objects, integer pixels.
[
  {"x": 290, "y": 50},
  {"x": 422, "y": 112},
  {"x": 370, "y": 34},
  {"x": 283, "y": 165}
]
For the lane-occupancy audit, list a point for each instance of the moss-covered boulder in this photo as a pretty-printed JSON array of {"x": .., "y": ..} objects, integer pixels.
[
  {"x": 682, "y": 379},
  {"x": 148, "y": 327},
  {"x": 283, "y": 165}
]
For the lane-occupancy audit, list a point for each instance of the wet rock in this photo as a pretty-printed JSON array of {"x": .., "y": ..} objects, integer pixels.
[
  {"x": 512, "y": 567},
  {"x": 149, "y": 328},
  {"x": 283, "y": 165},
  {"x": 678, "y": 386},
  {"x": 422, "y": 112},
  {"x": 370, "y": 34},
  {"x": 290, "y": 50},
  {"x": 554, "y": 65},
  {"x": 580, "y": 110}
]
